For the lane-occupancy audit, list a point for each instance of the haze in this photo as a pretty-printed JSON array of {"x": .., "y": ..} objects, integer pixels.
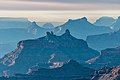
[{"x": 59, "y": 10}]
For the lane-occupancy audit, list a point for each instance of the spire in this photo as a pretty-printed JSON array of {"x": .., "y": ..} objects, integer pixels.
[
  {"x": 67, "y": 31},
  {"x": 84, "y": 18},
  {"x": 34, "y": 23},
  {"x": 50, "y": 33}
]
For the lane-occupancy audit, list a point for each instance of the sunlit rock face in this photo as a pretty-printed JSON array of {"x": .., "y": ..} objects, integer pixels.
[
  {"x": 50, "y": 49},
  {"x": 107, "y": 73},
  {"x": 9, "y": 59}
]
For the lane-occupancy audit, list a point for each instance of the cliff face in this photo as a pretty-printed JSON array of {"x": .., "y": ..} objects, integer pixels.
[
  {"x": 46, "y": 50},
  {"x": 108, "y": 74},
  {"x": 70, "y": 70},
  {"x": 9, "y": 59},
  {"x": 103, "y": 41},
  {"x": 109, "y": 57}
]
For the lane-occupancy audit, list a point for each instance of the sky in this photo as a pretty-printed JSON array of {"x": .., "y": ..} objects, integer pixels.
[{"x": 59, "y": 10}]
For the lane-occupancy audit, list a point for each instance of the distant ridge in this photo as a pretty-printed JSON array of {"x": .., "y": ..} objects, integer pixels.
[
  {"x": 7, "y": 22},
  {"x": 116, "y": 24},
  {"x": 103, "y": 41},
  {"x": 48, "y": 26},
  {"x": 105, "y": 21},
  {"x": 81, "y": 28}
]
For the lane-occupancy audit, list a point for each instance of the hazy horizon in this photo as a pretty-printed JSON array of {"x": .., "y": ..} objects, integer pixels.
[
  {"x": 59, "y": 16},
  {"x": 59, "y": 10}
]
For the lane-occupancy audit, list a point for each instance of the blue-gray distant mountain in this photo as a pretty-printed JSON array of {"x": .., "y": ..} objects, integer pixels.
[
  {"x": 105, "y": 21},
  {"x": 7, "y": 22},
  {"x": 36, "y": 30},
  {"x": 48, "y": 49},
  {"x": 81, "y": 28},
  {"x": 109, "y": 57},
  {"x": 5, "y": 48},
  {"x": 53, "y": 23},
  {"x": 116, "y": 25},
  {"x": 71, "y": 70},
  {"x": 48, "y": 26},
  {"x": 103, "y": 41},
  {"x": 17, "y": 34},
  {"x": 13, "y": 35}
]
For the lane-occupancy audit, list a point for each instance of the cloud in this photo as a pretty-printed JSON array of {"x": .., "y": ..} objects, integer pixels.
[
  {"x": 73, "y": 1},
  {"x": 15, "y": 5},
  {"x": 59, "y": 4}
]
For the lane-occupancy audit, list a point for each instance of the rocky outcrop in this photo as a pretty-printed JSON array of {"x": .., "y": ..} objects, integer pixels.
[
  {"x": 46, "y": 50},
  {"x": 108, "y": 74},
  {"x": 109, "y": 57},
  {"x": 9, "y": 59},
  {"x": 71, "y": 70}
]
